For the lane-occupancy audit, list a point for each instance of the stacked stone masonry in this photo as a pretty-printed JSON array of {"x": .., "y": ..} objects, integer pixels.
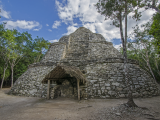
[{"x": 99, "y": 61}]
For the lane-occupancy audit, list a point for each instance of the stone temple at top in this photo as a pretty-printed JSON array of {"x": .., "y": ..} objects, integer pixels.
[{"x": 84, "y": 65}]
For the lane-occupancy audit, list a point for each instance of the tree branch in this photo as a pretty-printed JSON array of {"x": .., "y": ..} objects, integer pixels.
[
  {"x": 153, "y": 6},
  {"x": 19, "y": 59},
  {"x": 157, "y": 67}
]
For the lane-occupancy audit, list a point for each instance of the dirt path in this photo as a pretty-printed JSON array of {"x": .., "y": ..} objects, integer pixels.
[{"x": 31, "y": 108}]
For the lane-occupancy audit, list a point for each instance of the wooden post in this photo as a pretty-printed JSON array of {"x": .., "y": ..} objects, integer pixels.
[
  {"x": 78, "y": 90},
  {"x": 48, "y": 89}
]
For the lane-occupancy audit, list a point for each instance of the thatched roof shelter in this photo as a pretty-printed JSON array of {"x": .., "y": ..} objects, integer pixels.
[{"x": 62, "y": 72}]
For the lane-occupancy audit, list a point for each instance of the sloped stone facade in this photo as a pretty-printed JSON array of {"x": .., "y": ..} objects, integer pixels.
[
  {"x": 106, "y": 81},
  {"x": 100, "y": 62}
]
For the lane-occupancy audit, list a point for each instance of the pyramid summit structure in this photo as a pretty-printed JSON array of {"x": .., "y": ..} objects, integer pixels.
[{"x": 84, "y": 65}]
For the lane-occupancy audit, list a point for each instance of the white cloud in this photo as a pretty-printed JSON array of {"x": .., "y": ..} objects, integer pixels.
[
  {"x": 146, "y": 16},
  {"x": 49, "y": 30},
  {"x": 22, "y": 24},
  {"x": 118, "y": 46},
  {"x": 91, "y": 19},
  {"x": 47, "y": 25},
  {"x": 56, "y": 24},
  {"x": 70, "y": 29},
  {"x": 90, "y": 27},
  {"x": 52, "y": 41},
  {"x": 4, "y": 13},
  {"x": 36, "y": 29}
]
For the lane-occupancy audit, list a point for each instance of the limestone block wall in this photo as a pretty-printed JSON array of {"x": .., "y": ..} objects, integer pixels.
[
  {"x": 56, "y": 52},
  {"x": 105, "y": 80},
  {"x": 101, "y": 63},
  {"x": 94, "y": 37},
  {"x": 82, "y": 50},
  {"x": 101, "y": 50},
  {"x": 30, "y": 82},
  {"x": 85, "y": 34},
  {"x": 77, "y": 50},
  {"x": 81, "y": 45},
  {"x": 64, "y": 39}
]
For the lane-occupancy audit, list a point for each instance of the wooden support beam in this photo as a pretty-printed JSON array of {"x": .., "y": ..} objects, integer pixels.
[
  {"x": 78, "y": 90},
  {"x": 48, "y": 90},
  {"x": 56, "y": 79}
]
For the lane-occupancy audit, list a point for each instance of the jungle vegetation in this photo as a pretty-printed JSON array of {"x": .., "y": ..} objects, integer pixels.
[{"x": 17, "y": 51}]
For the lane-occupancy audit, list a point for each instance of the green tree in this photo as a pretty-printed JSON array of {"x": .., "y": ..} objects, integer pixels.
[
  {"x": 9, "y": 39},
  {"x": 18, "y": 50},
  {"x": 155, "y": 31},
  {"x": 4, "y": 72},
  {"x": 117, "y": 11},
  {"x": 40, "y": 46},
  {"x": 142, "y": 49},
  {"x": 143, "y": 46},
  {"x": 4, "y": 53},
  {"x": 15, "y": 48},
  {"x": 34, "y": 50}
]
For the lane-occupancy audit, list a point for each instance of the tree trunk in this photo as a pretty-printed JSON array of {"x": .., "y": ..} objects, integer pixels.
[
  {"x": 39, "y": 57},
  {"x": 156, "y": 9},
  {"x": 12, "y": 66},
  {"x": 157, "y": 67},
  {"x": 148, "y": 64},
  {"x": 130, "y": 102},
  {"x": 78, "y": 90},
  {"x": 48, "y": 90},
  {"x": 14, "y": 63},
  {"x": 153, "y": 6},
  {"x": 4, "y": 71}
]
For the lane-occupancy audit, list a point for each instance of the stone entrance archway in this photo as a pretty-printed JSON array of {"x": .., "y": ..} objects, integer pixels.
[{"x": 61, "y": 74}]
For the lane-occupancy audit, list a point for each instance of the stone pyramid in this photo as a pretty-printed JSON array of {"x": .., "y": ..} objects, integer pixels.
[{"x": 100, "y": 63}]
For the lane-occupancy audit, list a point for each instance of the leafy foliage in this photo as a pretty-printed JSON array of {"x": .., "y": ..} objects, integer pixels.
[
  {"x": 19, "y": 50},
  {"x": 117, "y": 11},
  {"x": 155, "y": 31},
  {"x": 141, "y": 48}
]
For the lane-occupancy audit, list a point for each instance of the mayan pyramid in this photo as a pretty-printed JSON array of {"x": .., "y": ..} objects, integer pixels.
[{"x": 89, "y": 57}]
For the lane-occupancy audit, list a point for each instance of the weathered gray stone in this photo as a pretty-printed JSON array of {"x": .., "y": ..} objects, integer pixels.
[
  {"x": 122, "y": 95},
  {"x": 116, "y": 84},
  {"x": 108, "y": 88},
  {"x": 99, "y": 61},
  {"x": 33, "y": 91},
  {"x": 107, "y": 96},
  {"x": 112, "y": 93},
  {"x": 119, "y": 89},
  {"x": 107, "y": 84}
]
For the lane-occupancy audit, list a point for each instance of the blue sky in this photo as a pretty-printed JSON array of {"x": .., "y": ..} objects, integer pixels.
[{"x": 51, "y": 19}]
